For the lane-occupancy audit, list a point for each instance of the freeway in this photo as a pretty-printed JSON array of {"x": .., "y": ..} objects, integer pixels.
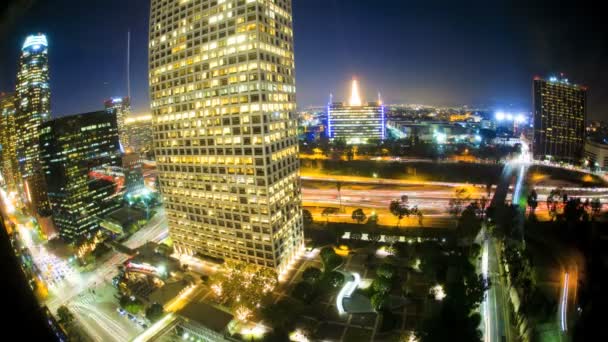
[
  {"x": 496, "y": 324},
  {"x": 496, "y": 318}
]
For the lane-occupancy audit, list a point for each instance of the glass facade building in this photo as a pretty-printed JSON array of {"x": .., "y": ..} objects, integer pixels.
[
  {"x": 560, "y": 111},
  {"x": 8, "y": 142},
  {"x": 73, "y": 147},
  {"x": 222, "y": 90},
  {"x": 122, "y": 108},
  {"x": 33, "y": 108}
]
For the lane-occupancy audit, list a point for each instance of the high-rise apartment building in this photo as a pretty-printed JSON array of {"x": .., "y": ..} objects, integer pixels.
[
  {"x": 74, "y": 150},
  {"x": 8, "y": 142},
  {"x": 122, "y": 108},
  {"x": 356, "y": 122},
  {"x": 33, "y": 108},
  {"x": 560, "y": 111},
  {"x": 223, "y": 101}
]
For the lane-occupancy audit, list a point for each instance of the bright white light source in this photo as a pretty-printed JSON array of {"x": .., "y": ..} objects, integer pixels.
[
  {"x": 347, "y": 291},
  {"x": 438, "y": 292}
]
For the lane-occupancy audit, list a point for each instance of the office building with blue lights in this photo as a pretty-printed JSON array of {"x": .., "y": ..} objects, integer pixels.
[{"x": 33, "y": 96}]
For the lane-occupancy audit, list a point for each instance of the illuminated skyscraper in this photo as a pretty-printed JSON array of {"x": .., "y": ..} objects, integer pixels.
[
  {"x": 141, "y": 133},
  {"x": 8, "y": 142},
  {"x": 560, "y": 111},
  {"x": 355, "y": 122},
  {"x": 223, "y": 101},
  {"x": 76, "y": 150},
  {"x": 33, "y": 108},
  {"x": 122, "y": 108}
]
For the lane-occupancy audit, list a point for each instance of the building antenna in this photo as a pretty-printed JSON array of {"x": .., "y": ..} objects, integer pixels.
[{"x": 129, "y": 64}]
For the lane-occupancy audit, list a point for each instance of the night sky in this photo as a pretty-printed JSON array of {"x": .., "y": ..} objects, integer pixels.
[{"x": 427, "y": 52}]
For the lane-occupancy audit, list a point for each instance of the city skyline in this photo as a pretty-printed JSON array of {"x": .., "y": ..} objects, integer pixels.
[
  {"x": 442, "y": 178},
  {"x": 451, "y": 62}
]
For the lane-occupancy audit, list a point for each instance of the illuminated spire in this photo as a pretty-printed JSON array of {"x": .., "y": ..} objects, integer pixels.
[{"x": 355, "y": 99}]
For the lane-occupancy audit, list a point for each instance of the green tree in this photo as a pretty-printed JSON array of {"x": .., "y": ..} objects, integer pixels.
[
  {"x": 330, "y": 259},
  {"x": 132, "y": 306},
  {"x": 327, "y": 212},
  {"x": 475, "y": 289},
  {"x": 379, "y": 300},
  {"x": 311, "y": 274},
  {"x": 382, "y": 285},
  {"x": 468, "y": 226},
  {"x": 307, "y": 218},
  {"x": 334, "y": 279},
  {"x": 387, "y": 271},
  {"x": 358, "y": 215},
  {"x": 154, "y": 312},
  {"x": 456, "y": 203},
  {"x": 282, "y": 315},
  {"x": 243, "y": 284},
  {"x": 65, "y": 316},
  {"x": 303, "y": 291},
  {"x": 399, "y": 210}
]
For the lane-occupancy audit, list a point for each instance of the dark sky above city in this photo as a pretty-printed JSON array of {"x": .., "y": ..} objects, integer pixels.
[{"x": 426, "y": 52}]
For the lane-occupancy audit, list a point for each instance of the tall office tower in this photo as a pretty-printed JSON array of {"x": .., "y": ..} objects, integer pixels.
[
  {"x": 560, "y": 111},
  {"x": 33, "y": 108},
  {"x": 356, "y": 122},
  {"x": 8, "y": 142},
  {"x": 75, "y": 152},
  {"x": 141, "y": 133},
  {"x": 132, "y": 169},
  {"x": 122, "y": 108},
  {"x": 222, "y": 92}
]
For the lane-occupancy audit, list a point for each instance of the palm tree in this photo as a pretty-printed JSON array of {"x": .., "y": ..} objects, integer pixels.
[{"x": 339, "y": 188}]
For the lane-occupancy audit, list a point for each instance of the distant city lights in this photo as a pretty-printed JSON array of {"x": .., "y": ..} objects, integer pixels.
[{"x": 502, "y": 116}]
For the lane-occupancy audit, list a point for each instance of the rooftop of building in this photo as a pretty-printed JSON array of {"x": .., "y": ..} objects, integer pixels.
[
  {"x": 126, "y": 215},
  {"x": 207, "y": 315}
]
